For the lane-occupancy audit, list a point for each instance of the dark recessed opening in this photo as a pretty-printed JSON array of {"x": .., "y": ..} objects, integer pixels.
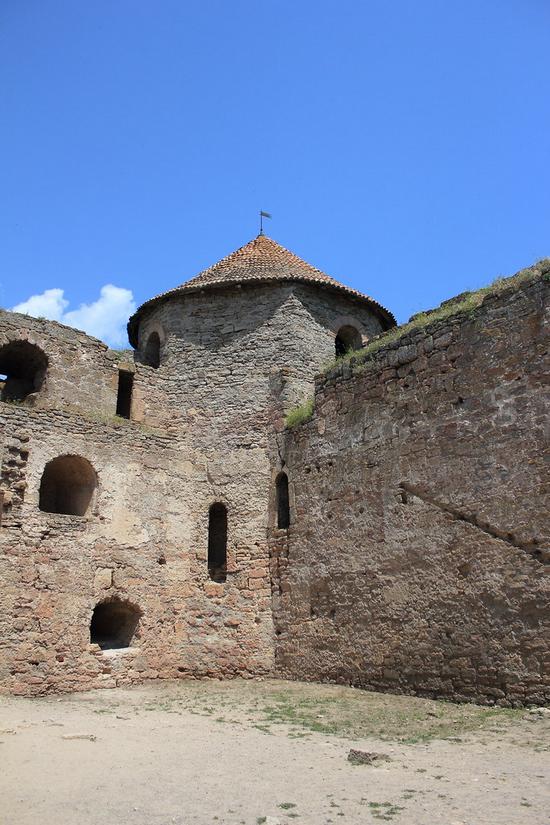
[
  {"x": 151, "y": 355},
  {"x": 22, "y": 370},
  {"x": 347, "y": 338},
  {"x": 124, "y": 395},
  {"x": 114, "y": 624},
  {"x": 217, "y": 542},
  {"x": 283, "y": 506},
  {"x": 67, "y": 486}
]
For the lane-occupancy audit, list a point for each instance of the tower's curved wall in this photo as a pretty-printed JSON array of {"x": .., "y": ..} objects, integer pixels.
[{"x": 231, "y": 356}]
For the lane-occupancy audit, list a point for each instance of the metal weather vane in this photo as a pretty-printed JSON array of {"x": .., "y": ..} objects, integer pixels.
[{"x": 262, "y": 216}]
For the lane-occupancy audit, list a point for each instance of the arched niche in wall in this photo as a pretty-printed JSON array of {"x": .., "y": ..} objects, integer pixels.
[
  {"x": 23, "y": 369},
  {"x": 282, "y": 502},
  {"x": 114, "y": 624},
  {"x": 217, "y": 542},
  {"x": 348, "y": 338},
  {"x": 151, "y": 352},
  {"x": 67, "y": 486}
]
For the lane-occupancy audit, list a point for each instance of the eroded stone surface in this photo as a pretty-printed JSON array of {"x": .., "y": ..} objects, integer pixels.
[
  {"x": 202, "y": 431},
  {"x": 417, "y": 557},
  {"x": 414, "y": 560}
]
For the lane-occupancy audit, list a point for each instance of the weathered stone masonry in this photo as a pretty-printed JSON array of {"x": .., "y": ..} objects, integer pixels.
[
  {"x": 232, "y": 358},
  {"x": 417, "y": 557},
  {"x": 413, "y": 558}
]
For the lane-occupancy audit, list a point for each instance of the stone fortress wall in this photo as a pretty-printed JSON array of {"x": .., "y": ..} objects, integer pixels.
[
  {"x": 78, "y": 373},
  {"x": 200, "y": 431},
  {"x": 417, "y": 556},
  {"x": 159, "y": 521}
]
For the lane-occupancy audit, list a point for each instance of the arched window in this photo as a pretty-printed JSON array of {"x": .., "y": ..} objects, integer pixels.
[
  {"x": 151, "y": 355},
  {"x": 217, "y": 542},
  {"x": 347, "y": 338},
  {"x": 114, "y": 624},
  {"x": 283, "y": 507},
  {"x": 67, "y": 486},
  {"x": 22, "y": 370}
]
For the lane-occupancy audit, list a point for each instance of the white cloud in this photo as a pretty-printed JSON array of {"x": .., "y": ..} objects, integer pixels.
[
  {"x": 50, "y": 304},
  {"x": 105, "y": 318}
]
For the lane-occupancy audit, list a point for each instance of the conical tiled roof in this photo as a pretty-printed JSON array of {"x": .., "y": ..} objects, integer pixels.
[{"x": 262, "y": 260}]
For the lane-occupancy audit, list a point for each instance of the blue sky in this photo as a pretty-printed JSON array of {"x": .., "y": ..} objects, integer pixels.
[{"x": 403, "y": 147}]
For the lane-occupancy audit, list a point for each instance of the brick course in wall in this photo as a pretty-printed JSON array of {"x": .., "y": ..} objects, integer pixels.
[{"x": 417, "y": 557}]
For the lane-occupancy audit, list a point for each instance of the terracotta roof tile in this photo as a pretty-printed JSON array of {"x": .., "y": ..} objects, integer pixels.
[{"x": 259, "y": 261}]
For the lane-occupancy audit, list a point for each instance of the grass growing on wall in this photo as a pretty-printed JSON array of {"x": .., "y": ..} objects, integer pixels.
[
  {"x": 300, "y": 414},
  {"x": 466, "y": 303}
]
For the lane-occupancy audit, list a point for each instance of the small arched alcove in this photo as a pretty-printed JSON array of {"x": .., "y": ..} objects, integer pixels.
[
  {"x": 347, "y": 338},
  {"x": 67, "y": 486},
  {"x": 151, "y": 353},
  {"x": 114, "y": 624},
  {"x": 22, "y": 370},
  {"x": 282, "y": 501},
  {"x": 217, "y": 542}
]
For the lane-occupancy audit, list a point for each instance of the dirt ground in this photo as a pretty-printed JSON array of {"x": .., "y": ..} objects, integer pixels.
[{"x": 268, "y": 753}]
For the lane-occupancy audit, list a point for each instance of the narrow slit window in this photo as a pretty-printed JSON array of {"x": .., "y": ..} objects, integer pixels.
[
  {"x": 124, "y": 396},
  {"x": 217, "y": 542},
  {"x": 283, "y": 506}
]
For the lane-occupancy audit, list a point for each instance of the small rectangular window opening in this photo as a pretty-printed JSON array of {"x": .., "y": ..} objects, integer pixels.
[
  {"x": 124, "y": 396},
  {"x": 217, "y": 542},
  {"x": 283, "y": 504}
]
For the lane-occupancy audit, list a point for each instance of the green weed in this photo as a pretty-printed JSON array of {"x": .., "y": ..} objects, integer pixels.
[
  {"x": 300, "y": 414},
  {"x": 466, "y": 303}
]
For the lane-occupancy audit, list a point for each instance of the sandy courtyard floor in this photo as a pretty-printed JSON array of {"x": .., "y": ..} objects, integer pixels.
[{"x": 268, "y": 752}]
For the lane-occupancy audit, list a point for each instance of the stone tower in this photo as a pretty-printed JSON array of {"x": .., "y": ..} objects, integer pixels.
[
  {"x": 247, "y": 336},
  {"x": 137, "y": 546}
]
